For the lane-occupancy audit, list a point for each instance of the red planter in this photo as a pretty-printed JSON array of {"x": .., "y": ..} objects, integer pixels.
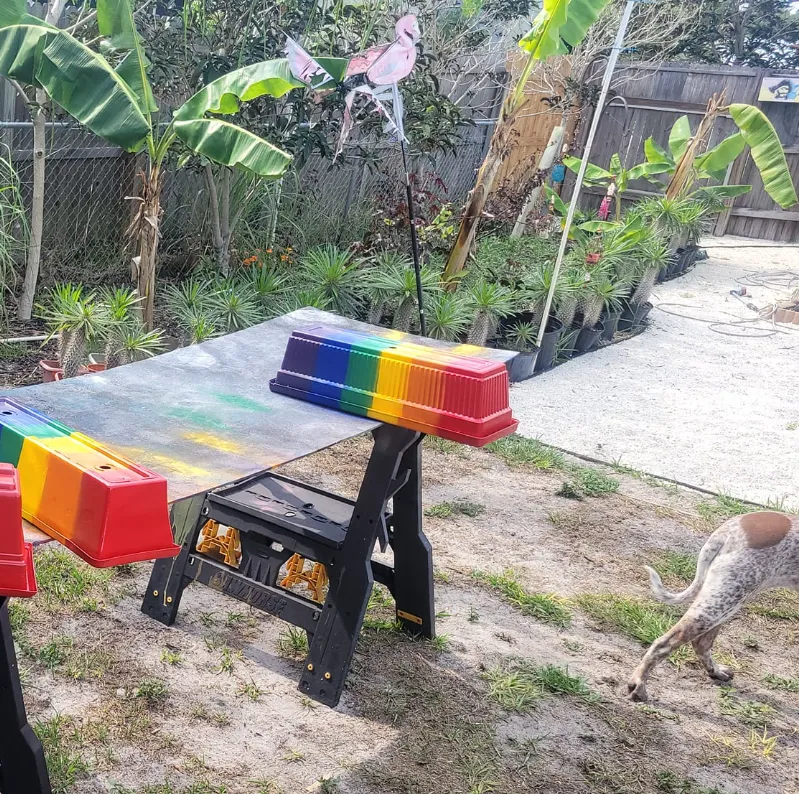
[
  {"x": 51, "y": 370},
  {"x": 17, "y": 578}
]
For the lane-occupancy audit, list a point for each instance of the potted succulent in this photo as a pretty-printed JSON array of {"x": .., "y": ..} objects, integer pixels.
[
  {"x": 535, "y": 294},
  {"x": 521, "y": 337},
  {"x": 448, "y": 316},
  {"x": 567, "y": 303},
  {"x": 76, "y": 320},
  {"x": 653, "y": 254},
  {"x": 601, "y": 298},
  {"x": 489, "y": 302}
]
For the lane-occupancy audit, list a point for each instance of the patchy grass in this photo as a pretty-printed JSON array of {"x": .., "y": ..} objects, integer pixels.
[
  {"x": 171, "y": 656},
  {"x": 781, "y": 684},
  {"x": 776, "y": 604},
  {"x": 251, "y": 691},
  {"x": 676, "y": 566},
  {"x": 640, "y": 620},
  {"x": 153, "y": 691},
  {"x": 545, "y": 607},
  {"x": 751, "y": 713},
  {"x": 517, "y": 450},
  {"x": 67, "y": 583},
  {"x": 723, "y": 507},
  {"x": 670, "y": 783},
  {"x": 592, "y": 482},
  {"x": 292, "y": 643},
  {"x": 449, "y": 509},
  {"x": 228, "y": 660},
  {"x": 444, "y": 446},
  {"x": 568, "y": 520},
  {"x": 63, "y": 747}
]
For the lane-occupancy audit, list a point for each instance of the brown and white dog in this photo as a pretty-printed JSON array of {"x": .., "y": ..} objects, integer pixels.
[{"x": 743, "y": 557}]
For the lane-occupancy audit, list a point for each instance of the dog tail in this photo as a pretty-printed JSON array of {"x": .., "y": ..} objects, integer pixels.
[{"x": 709, "y": 553}]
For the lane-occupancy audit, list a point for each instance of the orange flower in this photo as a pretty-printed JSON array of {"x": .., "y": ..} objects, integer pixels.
[
  {"x": 283, "y": 258},
  {"x": 268, "y": 250}
]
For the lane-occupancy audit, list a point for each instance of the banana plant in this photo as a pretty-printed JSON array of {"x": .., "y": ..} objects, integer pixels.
[
  {"x": 559, "y": 27},
  {"x": 117, "y": 104},
  {"x": 616, "y": 174},
  {"x": 686, "y": 166}
]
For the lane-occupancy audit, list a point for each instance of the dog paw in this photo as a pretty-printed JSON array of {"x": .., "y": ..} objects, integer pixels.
[
  {"x": 636, "y": 690},
  {"x": 723, "y": 673}
]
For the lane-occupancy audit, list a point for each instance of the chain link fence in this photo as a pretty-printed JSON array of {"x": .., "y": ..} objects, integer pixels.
[{"x": 90, "y": 184}]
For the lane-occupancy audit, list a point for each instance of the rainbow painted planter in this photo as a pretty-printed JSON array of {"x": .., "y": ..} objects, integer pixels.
[
  {"x": 436, "y": 392},
  {"x": 17, "y": 578},
  {"x": 106, "y": 509}
]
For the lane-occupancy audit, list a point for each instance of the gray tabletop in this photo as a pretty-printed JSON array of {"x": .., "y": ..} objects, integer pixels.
[{"x": 203, "y": 416}]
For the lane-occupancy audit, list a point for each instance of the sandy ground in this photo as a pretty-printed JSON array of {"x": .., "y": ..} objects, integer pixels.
[
  {"x": 682, "y": 400},
  {"x": 210, "y": 706}
]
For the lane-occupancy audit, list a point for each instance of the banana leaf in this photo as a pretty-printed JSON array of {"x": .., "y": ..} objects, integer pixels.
[
  {"x": 115, "y": 22},
  {"x": 767, "y": 153},
  {"x": 725, "y": 191},
  {"x": 11, "y": 11},
  {"x": 679, "y": 136},
  {"x": 560, "y": 25},
  {"x": 655, "y": 153},
  {"x": 593, "y": 173},
  {"x": 225, "y": 94},
  {"x": 647, "y": 170},
  {"x": 716, "y": 160},
  {"x": 77, "y": 79},
  {"x": 227, "y": 144}
]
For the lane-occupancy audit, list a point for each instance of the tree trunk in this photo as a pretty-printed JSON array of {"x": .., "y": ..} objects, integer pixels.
[
  {"x": 147, "y": 223},
  {"x": 25, "y": 307},
  {"x": 221, "y": 227}
]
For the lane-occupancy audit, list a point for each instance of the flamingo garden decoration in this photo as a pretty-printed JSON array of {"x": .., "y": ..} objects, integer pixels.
[{"x": 374, "y": 74}]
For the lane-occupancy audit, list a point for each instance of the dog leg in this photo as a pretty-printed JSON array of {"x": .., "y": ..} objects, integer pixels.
[
  {"x": 684, "y": 631},
  {"x": 702, "y": 647}
]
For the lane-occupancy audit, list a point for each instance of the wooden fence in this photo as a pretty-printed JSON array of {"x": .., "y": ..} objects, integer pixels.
[{"x": 649, "y": 99}]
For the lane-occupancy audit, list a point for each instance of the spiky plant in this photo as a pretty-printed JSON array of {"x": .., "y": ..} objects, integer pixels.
[
  {"x": 695, "y": 222},
  {"x": 601, "y": 293},
  {"x": 571, "y": 293},
  {"x": 266, "y": 284},
  {"x": 189, "y": 297},
  {"x": 198, "y": 325},
  {"x": 489, "y": 302},
  {"x": 521, "y": 337},
  {"x": 395, "y": 284},
  {"x": 84, "y": 320},
  {"x": 60, "y": 301},
  {"x": 233, "y": 307},
  {"x": 303, "y": 299},
  {"x": 333, "y": 273},
  {"x": 537, "y": 286},
  {"x": 448, "y": 316},
  {"x": 653, "y": 255},
  {"x": 374, "y": 286},
  {"x": 135, "y": 342},
  {"x": 121, "y": 303}
]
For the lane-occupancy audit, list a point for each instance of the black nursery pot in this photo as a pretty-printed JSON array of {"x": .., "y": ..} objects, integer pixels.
[
  {"x": 627, "y": 316},
  {"x": 588, "y": 338},
  {"x": 549, "y": 344},
  {"x": 568, "y": 340},
  {"x": 522, "y": 366},
  {"x": 611, "y": 322},
  {"x": 641, "y": 313},
  {"x": 634, "y": 315}
]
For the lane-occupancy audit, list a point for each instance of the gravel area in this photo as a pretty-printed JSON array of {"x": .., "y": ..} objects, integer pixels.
[{"x": 710, "y": 406}]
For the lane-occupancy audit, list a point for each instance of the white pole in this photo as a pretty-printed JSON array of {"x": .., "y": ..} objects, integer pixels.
[{"x": 609, "y": 69}]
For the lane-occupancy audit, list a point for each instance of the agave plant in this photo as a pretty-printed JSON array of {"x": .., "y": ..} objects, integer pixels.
[
  {"x": 334, "y": 275},
  {"x": 134, "y": 343},
  {"x": 395, "y": 285},
  {"x": 61, "y": 300},
  {"x": 448, "y": 316},
  {"x": 489, "y": 302}
]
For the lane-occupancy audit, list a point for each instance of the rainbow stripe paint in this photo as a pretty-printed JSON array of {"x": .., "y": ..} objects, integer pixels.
[
  {"x": 461, "y": 398},
  {"x": 106, "y": 509}
]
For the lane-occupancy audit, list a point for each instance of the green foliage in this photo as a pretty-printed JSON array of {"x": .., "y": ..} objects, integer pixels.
[
  {"x": 518, "y": 450},
  {"x": 522, "y": 336},
  {"x": 518, "y": 685},
  {"x": 334, "y": 275},
  {"x": 490, "y": 302},
  {"x": 545, "y": 607},
  {"x": 448, "y": 316}
]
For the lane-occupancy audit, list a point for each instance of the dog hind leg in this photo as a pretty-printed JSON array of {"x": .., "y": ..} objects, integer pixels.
[{"x": 702, "y": 647}]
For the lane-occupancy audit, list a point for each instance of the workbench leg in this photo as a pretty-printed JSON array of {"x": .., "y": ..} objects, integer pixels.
[
  {"x": 413, "y": 554},
  {"x": 167, "y": 581},
  {"x": 350, "y": 573},
  {"x": 22, "y": 766}
]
